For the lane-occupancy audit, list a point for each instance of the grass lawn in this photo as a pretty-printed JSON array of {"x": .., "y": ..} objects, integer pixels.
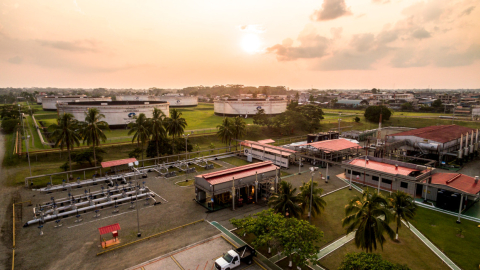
[
  {"x": 410, "y": 251},
  {"x": 238, "y": 161},
  {"x": 185, "y": 183},
  {"x": 284, "y": 265},
  {"x": 441, "y": 229}
]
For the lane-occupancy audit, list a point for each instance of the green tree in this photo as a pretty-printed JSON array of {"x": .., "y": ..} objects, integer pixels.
[
  {"x": 157, "y": 127},
  {"x": 318, "y": 203},
  {"x": 372, "y": 113},
  {"x": 92, "y": 129},
  {"x": 285, "y": 201},
  {"x": 407, "y": 106},
  {"x": 437, "y": 103},
  {"x": 374, "y": 91},
  {"x": 368, "y": 261},
  {"x": 226, "y": 131},
  {"x": 239, "y": 129},
  {"x": 176, "y": 124},
  {"x": 356, "y": 119},
  {"x": 140, "y": 130},
  {"x": 368, "y": 214},
  {"x": 403, "y": 208},
  {"x": 9, "y": 125},
  {"x": 66, "y": 134},
  {"x": 260, "y": 118}
]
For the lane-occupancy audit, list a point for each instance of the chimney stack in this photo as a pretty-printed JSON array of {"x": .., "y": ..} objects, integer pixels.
[
  {"x": 396, "y": 166},
  {"x": 476, "y": 179}
]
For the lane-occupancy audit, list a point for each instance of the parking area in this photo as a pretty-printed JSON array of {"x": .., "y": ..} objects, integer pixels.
[{"x": 197, "y": 256}]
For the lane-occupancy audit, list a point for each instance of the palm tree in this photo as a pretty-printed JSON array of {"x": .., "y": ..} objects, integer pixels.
[
  {"x": 225, "y": 131},
  {"x": 239, "y": 129},
  {"x": 140, "y": 130},
  {"x": 318, "y": 203},
  {"x": 157, "y": 126},
  {"x": 175, "y": 125},
  {"x": 92, "y": 129},
  {"x": 65, "y": 133},
  {"x": 403, "y": 208},
  {"x": 285, "y": 201},
  {"x": 368, "y": 214}
]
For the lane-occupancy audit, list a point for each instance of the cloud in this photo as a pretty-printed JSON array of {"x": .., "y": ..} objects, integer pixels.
[
  {"x": 331, "y": 9},
  {"x": 348, "y": 59},
  {"x": 252, "y": 28},
  {"x": 72, "y": 46},
  {"x": 362, "y": 42},
  {"x": 77, "y": 8},
  {"x": 409, "y": 57},
  {"x": 450, "y": 58},
  {"x": 421, "y": 33},
  {"x": 336, "y": 32},
  {"x": 467, "y": 11},
  {"x": 15, "y": 60},
  {"x": 311, "y": 45},
  {"x": 381, "y": 1}
]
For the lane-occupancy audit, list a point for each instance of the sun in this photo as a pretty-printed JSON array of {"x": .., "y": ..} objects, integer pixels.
[{"x": 251, "y": 43}]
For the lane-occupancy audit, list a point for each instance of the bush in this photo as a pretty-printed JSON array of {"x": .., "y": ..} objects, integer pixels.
[
  {"x": 135, "y": 153},
  {"x": 357, "y": 119},
  {"x": 368, "y": 261},
  {"x": 9, "y": 125},
  {"x": 372, "y": 113}
]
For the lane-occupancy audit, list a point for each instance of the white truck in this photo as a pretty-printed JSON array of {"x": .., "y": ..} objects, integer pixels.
[{"x": 233, "y": 258}]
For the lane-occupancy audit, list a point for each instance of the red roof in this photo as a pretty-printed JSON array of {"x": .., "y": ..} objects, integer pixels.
[
  {"x": 109, "y": 228},
  {"x": 441, "y": 134},
  {"x": 266, "y": 141},
  {"x": 333, "y": 145},
  {"x": 458, "y": 181},
  {"x": 383, "y": 167},
  {"x": 269, "y": 148},
  {"x": 238, "y": 172},
  {"x": 113, "y": 163}
]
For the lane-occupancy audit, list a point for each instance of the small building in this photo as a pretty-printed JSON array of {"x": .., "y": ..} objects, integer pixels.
[
  {"x": 118, "y": 166},
  {"x": 262, "y": 150},
  {"x": 352, "y": 103},
  {"x": 322, "y": 136},
  {"x": 334, "y": 150},
  {"x": 235, "y": 186}
]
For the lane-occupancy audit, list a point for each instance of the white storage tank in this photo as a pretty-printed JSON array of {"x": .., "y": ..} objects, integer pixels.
[
  {"x": 249, "y": 107},
  {"x": 50, "y": 103},
  {"x": 175, "y": 101},
  {"x": 117, "y": 113}
]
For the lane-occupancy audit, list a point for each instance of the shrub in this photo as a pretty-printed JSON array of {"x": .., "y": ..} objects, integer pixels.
[
  {"x": 368, "y": 261},
  {"x": 9, "y": 125}
]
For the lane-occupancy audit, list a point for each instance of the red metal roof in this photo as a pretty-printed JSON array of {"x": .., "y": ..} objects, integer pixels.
[
  {"x": 109, "y": 228},
  {"x": 333, "y": 145},
  {"x": 441, "y": 134},
  {"x": 113, "y": 163},
  {"x": 383, "y": 167},
  {"x": 458, "y": 181},
  {"x": 269, "y": 148},
  {"x": 238, "y": 172},
  {"x": 266, "y": 141}
]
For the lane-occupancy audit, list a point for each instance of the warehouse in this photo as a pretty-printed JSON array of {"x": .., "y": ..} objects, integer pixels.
[
  {"x": 174, "y": 100},
  {"x": 262, "y": 150},
  {"x": 50, "y": 103},
  {"x": 249, "y": 107},
  {"x": 443, "y": 143},
  {"x": 117, "y": 113},
  {"x": 252, "y": 183}
]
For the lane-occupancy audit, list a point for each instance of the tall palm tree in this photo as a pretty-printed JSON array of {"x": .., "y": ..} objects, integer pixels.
[
  {"x": 403, "y": 208},
  {"x": 92, "y": 129},
  {"x": 318, "y": 203},
  {"x": 285, "y": 201},
  {"x": 175, "y": 125},
  {"x": 157, "y": 126},
  {"x": 226, "y": 131},
  {"x": 239, "y": 129},
  {"x": 65, "y": 133},
  {"x": 140, "y": 130},
  {"x": 368, "y": 214}
]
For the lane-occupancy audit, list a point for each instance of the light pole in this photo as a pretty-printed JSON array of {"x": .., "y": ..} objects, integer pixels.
[
  {"x": 28, "y": 155},
  {"x": 186, "y": 152},
  {"x": 311, "y": 196},
  {"x": 339, "y": 120},
  {"x": 137, "y": 188}
]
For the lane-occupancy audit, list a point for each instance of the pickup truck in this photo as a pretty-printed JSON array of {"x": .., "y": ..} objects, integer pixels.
[{"x": 233, "y": 258}]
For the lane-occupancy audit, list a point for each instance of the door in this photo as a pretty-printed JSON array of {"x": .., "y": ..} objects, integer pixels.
[{"x": 235, "y": 262}]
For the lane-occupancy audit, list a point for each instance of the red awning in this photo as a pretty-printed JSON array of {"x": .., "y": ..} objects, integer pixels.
[
  {"x": 119, "y": 162},
  {"x": 109, "y": 228}
]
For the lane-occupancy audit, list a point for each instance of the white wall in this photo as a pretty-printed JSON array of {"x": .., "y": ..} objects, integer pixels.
[
  {"x": 175, "y": 101},
  {"x": 51, "y": 103},
  {"x": 250, "y": 107}
]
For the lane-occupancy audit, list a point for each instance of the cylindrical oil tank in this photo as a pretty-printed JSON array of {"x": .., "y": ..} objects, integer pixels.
[
  {"x": 174, "y": 100},
  {"x": 50, "y": 103},
  {"x": 249, "y": 107}
]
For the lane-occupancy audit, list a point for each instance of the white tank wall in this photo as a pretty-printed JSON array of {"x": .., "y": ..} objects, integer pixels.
[
  {"x": 51, "y": 103},
  {"x": 115, "y": 114},
  {"x": 175, "y": 101},
  {"x": 249, "y": 107}
]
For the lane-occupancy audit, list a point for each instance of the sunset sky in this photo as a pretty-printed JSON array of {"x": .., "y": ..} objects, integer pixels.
[{"x": 339, "y": 44}]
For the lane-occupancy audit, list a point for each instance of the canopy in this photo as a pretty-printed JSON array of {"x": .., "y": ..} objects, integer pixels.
[
  {"x": 109, "y": 228},
  {"x": 119, "y": 162}
]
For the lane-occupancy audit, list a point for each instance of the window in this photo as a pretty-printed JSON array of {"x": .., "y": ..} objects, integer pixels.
[
  {"x": 386, "y": 181},
  {"x": 403, "y": 184},
  {"x": 356, "y": 173},
  {"x": 374, "y": 178}
]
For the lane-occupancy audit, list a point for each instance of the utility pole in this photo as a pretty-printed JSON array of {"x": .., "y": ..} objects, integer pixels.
[
  {"x": 139, "y": 234},
  {"x": 311, "y": 196},
  {"x": 186, "y": 152}
]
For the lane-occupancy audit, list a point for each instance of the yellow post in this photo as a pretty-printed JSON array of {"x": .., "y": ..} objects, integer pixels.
[{"x": 13, "y": 225}]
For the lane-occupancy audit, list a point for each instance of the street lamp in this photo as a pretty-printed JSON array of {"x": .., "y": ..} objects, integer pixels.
[{"x": 186, "y": 151}]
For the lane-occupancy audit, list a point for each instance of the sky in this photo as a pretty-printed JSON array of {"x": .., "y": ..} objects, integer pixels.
[{"x": 329, "y": 44}]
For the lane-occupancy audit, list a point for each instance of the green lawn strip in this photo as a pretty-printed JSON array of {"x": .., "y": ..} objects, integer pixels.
[
  {"x": 284, "y": 264},
  {"x": 185, "y": 183},
  {"x": 411, "y": 251},
  {"x": 441, "y": 230},
  {"x": 33, "y": 132},
  {"x": 238, "y": 161}
]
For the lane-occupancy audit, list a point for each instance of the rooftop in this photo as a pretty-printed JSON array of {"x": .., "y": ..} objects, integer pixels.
[
  {"x": 114, "y": 103},
  {"x": 269, "y": 148},
  {"x": 441, "y": 134},
  {"x": 240, "y": 172},
  {"x": 457, "y": 181},
  {"x": 119, "y": 162},
  {"x": 383, "y": 167},
  {"x": 333, "y": 145}
]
